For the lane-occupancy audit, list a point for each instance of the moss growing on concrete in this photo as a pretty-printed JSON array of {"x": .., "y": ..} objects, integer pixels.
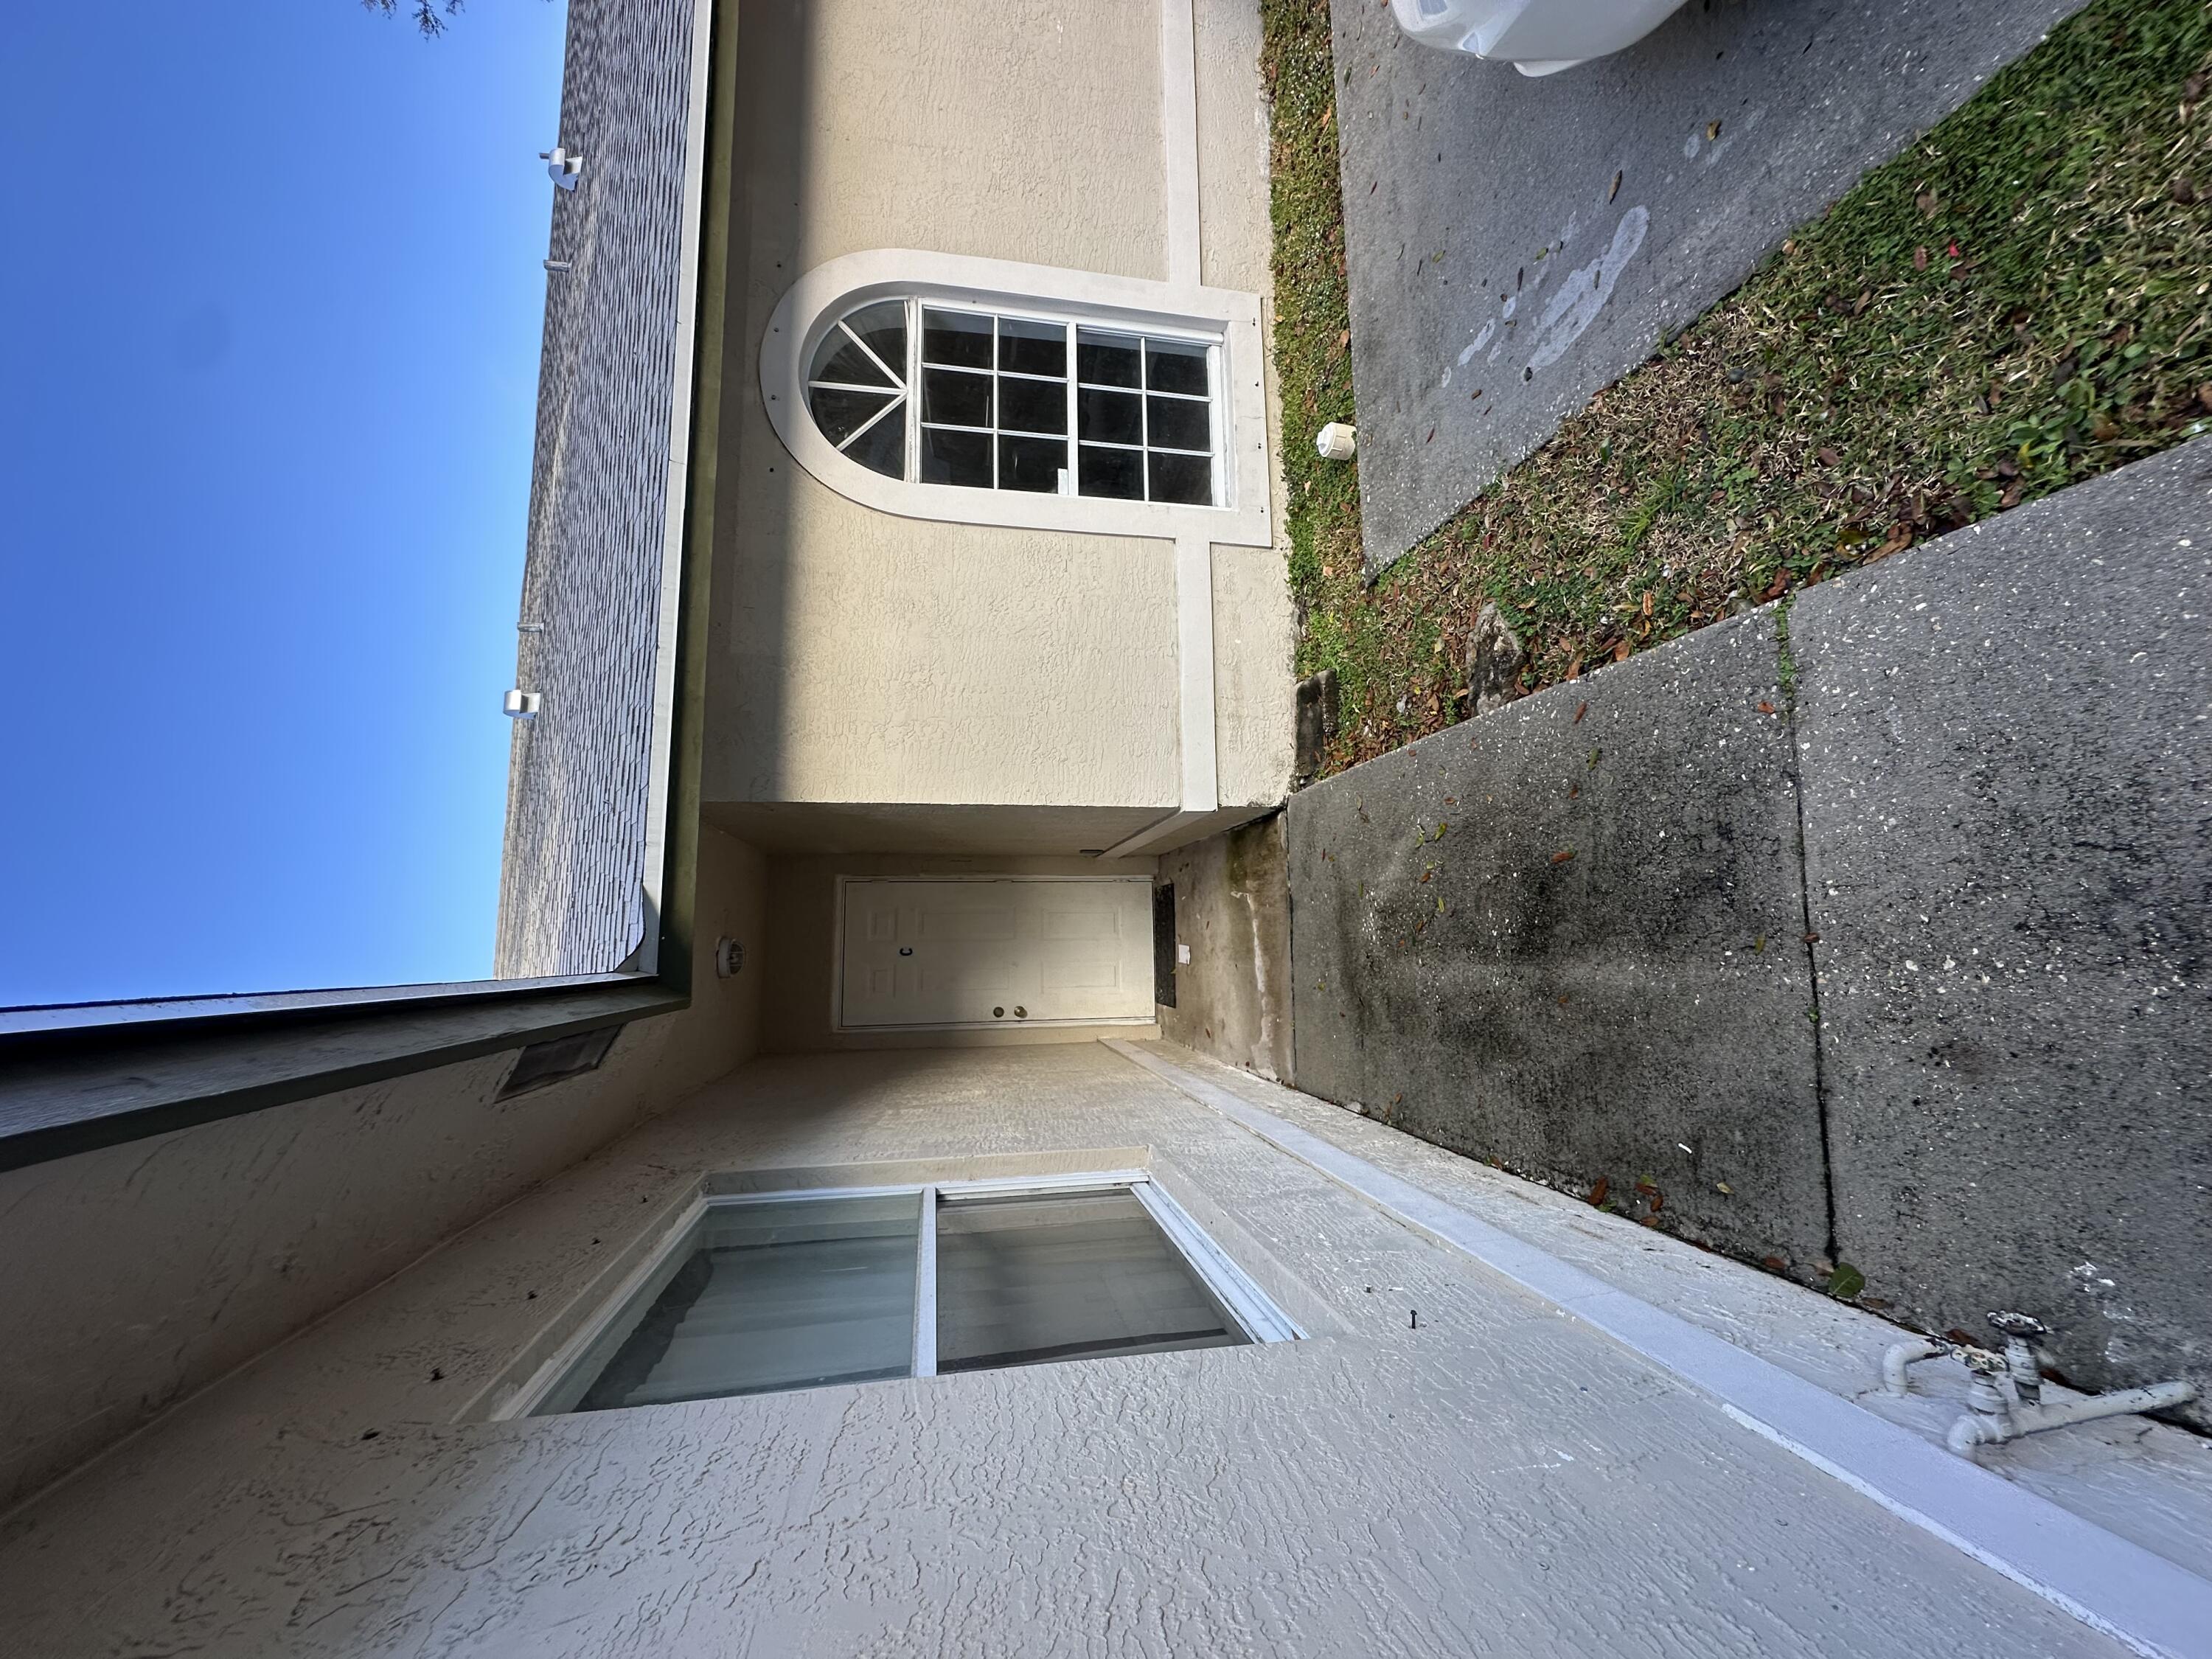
[{"x": 2017, "y": 302}]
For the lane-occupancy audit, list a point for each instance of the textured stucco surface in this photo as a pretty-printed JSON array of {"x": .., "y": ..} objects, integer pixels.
[
  {"x": 2008, "y": 819},
  {"x": 802, "y": 926},
  {"x": 140, "y": 1272},
  {"x": 1233, "y": 910},
  {"x": 1236, "y": 247},
  {"x": 1488, "y": 250},
  {"x": 871, "y": 658},
  {"x": 1593, "y": 968},
  {"x": 1252, "y": 658},
  {"x": 2149, "y": 1483},
  {"x": 985, "y": 128},
  {"x": 864, "y": 657},
  {"x": 1501, "y": 1477}
]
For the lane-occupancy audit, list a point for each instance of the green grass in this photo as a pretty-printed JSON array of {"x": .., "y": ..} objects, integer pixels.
[{"x": 2017, "y": 302}]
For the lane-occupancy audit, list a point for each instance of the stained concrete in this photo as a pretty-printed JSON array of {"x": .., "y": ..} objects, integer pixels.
[
  {"x": 1233, "y": 998},
  {"x": 1489, "y": 249},
  {"x": 1501, "y": 1479},
  {"x": 1567, "y": 935},
  {"x": 2008, "y": 819}
]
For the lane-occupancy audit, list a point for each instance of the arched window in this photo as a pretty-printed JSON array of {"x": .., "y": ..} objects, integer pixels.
[
  {"x": 1000, "y": 396},
  {"x": 983, "y": 391}
]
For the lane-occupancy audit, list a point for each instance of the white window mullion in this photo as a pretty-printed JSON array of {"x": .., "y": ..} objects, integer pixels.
[
  {"x": 925, "y": 1288},
  {"x": 914, "y": 391},
  {"x": 1243, "y": 1301},
  {"x": 1214, "y": 424},
  {"x": 1144, "y": 420},
  {"x": 1072, "y": 483}
]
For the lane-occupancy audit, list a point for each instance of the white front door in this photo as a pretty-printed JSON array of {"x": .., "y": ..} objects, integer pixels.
[{"x": 1006, "y": 951}]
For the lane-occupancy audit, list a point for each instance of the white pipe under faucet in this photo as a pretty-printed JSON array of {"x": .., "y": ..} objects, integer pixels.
[
  {"x": 1990, "y": 1428},
  {"x": 2004, "y": 1396},
  {"x": 1898, "y": 1355}
]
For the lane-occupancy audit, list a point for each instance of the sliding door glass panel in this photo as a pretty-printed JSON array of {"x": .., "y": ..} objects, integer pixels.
[
  {"x": 1065, "y": 1276},
  {"x": 773, "y": 1295}
]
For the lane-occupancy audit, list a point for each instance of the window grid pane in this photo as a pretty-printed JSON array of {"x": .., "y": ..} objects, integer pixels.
[
  {"x": 1023, "y": 1280},
  {"x": 856, "y": 395},
  {"x": 936, "y": 394},
  {"x": 994, "y": 412},
  {"x": 770, "y": 1297},
  {"x": 776, "y": 1291},
  {"x": 999, "y": 400},
  {"x": 1145, "y": 418}
]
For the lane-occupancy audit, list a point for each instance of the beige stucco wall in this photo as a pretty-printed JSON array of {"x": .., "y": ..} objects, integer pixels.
[
  {"x": 139, "y": 1273},
  {"x": 863, "y": 657},
  {"x": 816, "y": 827}
]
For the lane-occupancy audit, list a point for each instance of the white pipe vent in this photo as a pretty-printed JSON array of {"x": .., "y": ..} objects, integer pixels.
[
  {"x": 523, "y": 705},
  {"x": 563, "y": 168}
]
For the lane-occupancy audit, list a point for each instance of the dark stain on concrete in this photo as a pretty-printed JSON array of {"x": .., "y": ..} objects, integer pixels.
[
  {"x": 1233, "y": 910},
  {"x": 2009, "y": 823},
  {"x": 1575, "y": 947}
]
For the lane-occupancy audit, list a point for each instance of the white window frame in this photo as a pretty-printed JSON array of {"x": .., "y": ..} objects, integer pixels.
[
  {"x": 1249, "y": 1306},
  {"x": 906, "y": 393},
  {"x": 1226, "y": 321}
]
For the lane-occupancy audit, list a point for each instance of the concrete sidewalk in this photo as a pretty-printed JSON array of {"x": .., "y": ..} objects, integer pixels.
[
  {"x": 1590, "y": 934},
  {"x": 1514, "y": 245}
]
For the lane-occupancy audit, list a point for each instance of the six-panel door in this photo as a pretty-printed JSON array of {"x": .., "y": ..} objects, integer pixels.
[{"x": 990, "y": 953}]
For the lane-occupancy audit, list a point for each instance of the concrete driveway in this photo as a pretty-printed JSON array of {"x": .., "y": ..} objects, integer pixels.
[{"x": 1515, "y": 245}]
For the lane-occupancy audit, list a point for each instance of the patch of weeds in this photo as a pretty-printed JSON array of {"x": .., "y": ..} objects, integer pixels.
[
  {"x": 2017, "y": 302},
  {"x": 1785, "y": 664}
]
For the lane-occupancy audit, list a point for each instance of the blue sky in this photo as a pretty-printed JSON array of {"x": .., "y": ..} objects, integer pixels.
[{"x": 266, "y": 399}]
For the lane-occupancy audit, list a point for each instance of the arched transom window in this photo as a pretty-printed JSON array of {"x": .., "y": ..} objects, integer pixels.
[{"x": 933, "y": 392}]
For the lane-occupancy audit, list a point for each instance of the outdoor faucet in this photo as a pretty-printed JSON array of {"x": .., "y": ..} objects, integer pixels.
[
  {"x": 2004, "y": 1396},
  {"x": 2021, "y": 1331}
]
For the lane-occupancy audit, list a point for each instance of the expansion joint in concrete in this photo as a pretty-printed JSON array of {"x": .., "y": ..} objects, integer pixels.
[{"x": 1786, "y": 677}]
